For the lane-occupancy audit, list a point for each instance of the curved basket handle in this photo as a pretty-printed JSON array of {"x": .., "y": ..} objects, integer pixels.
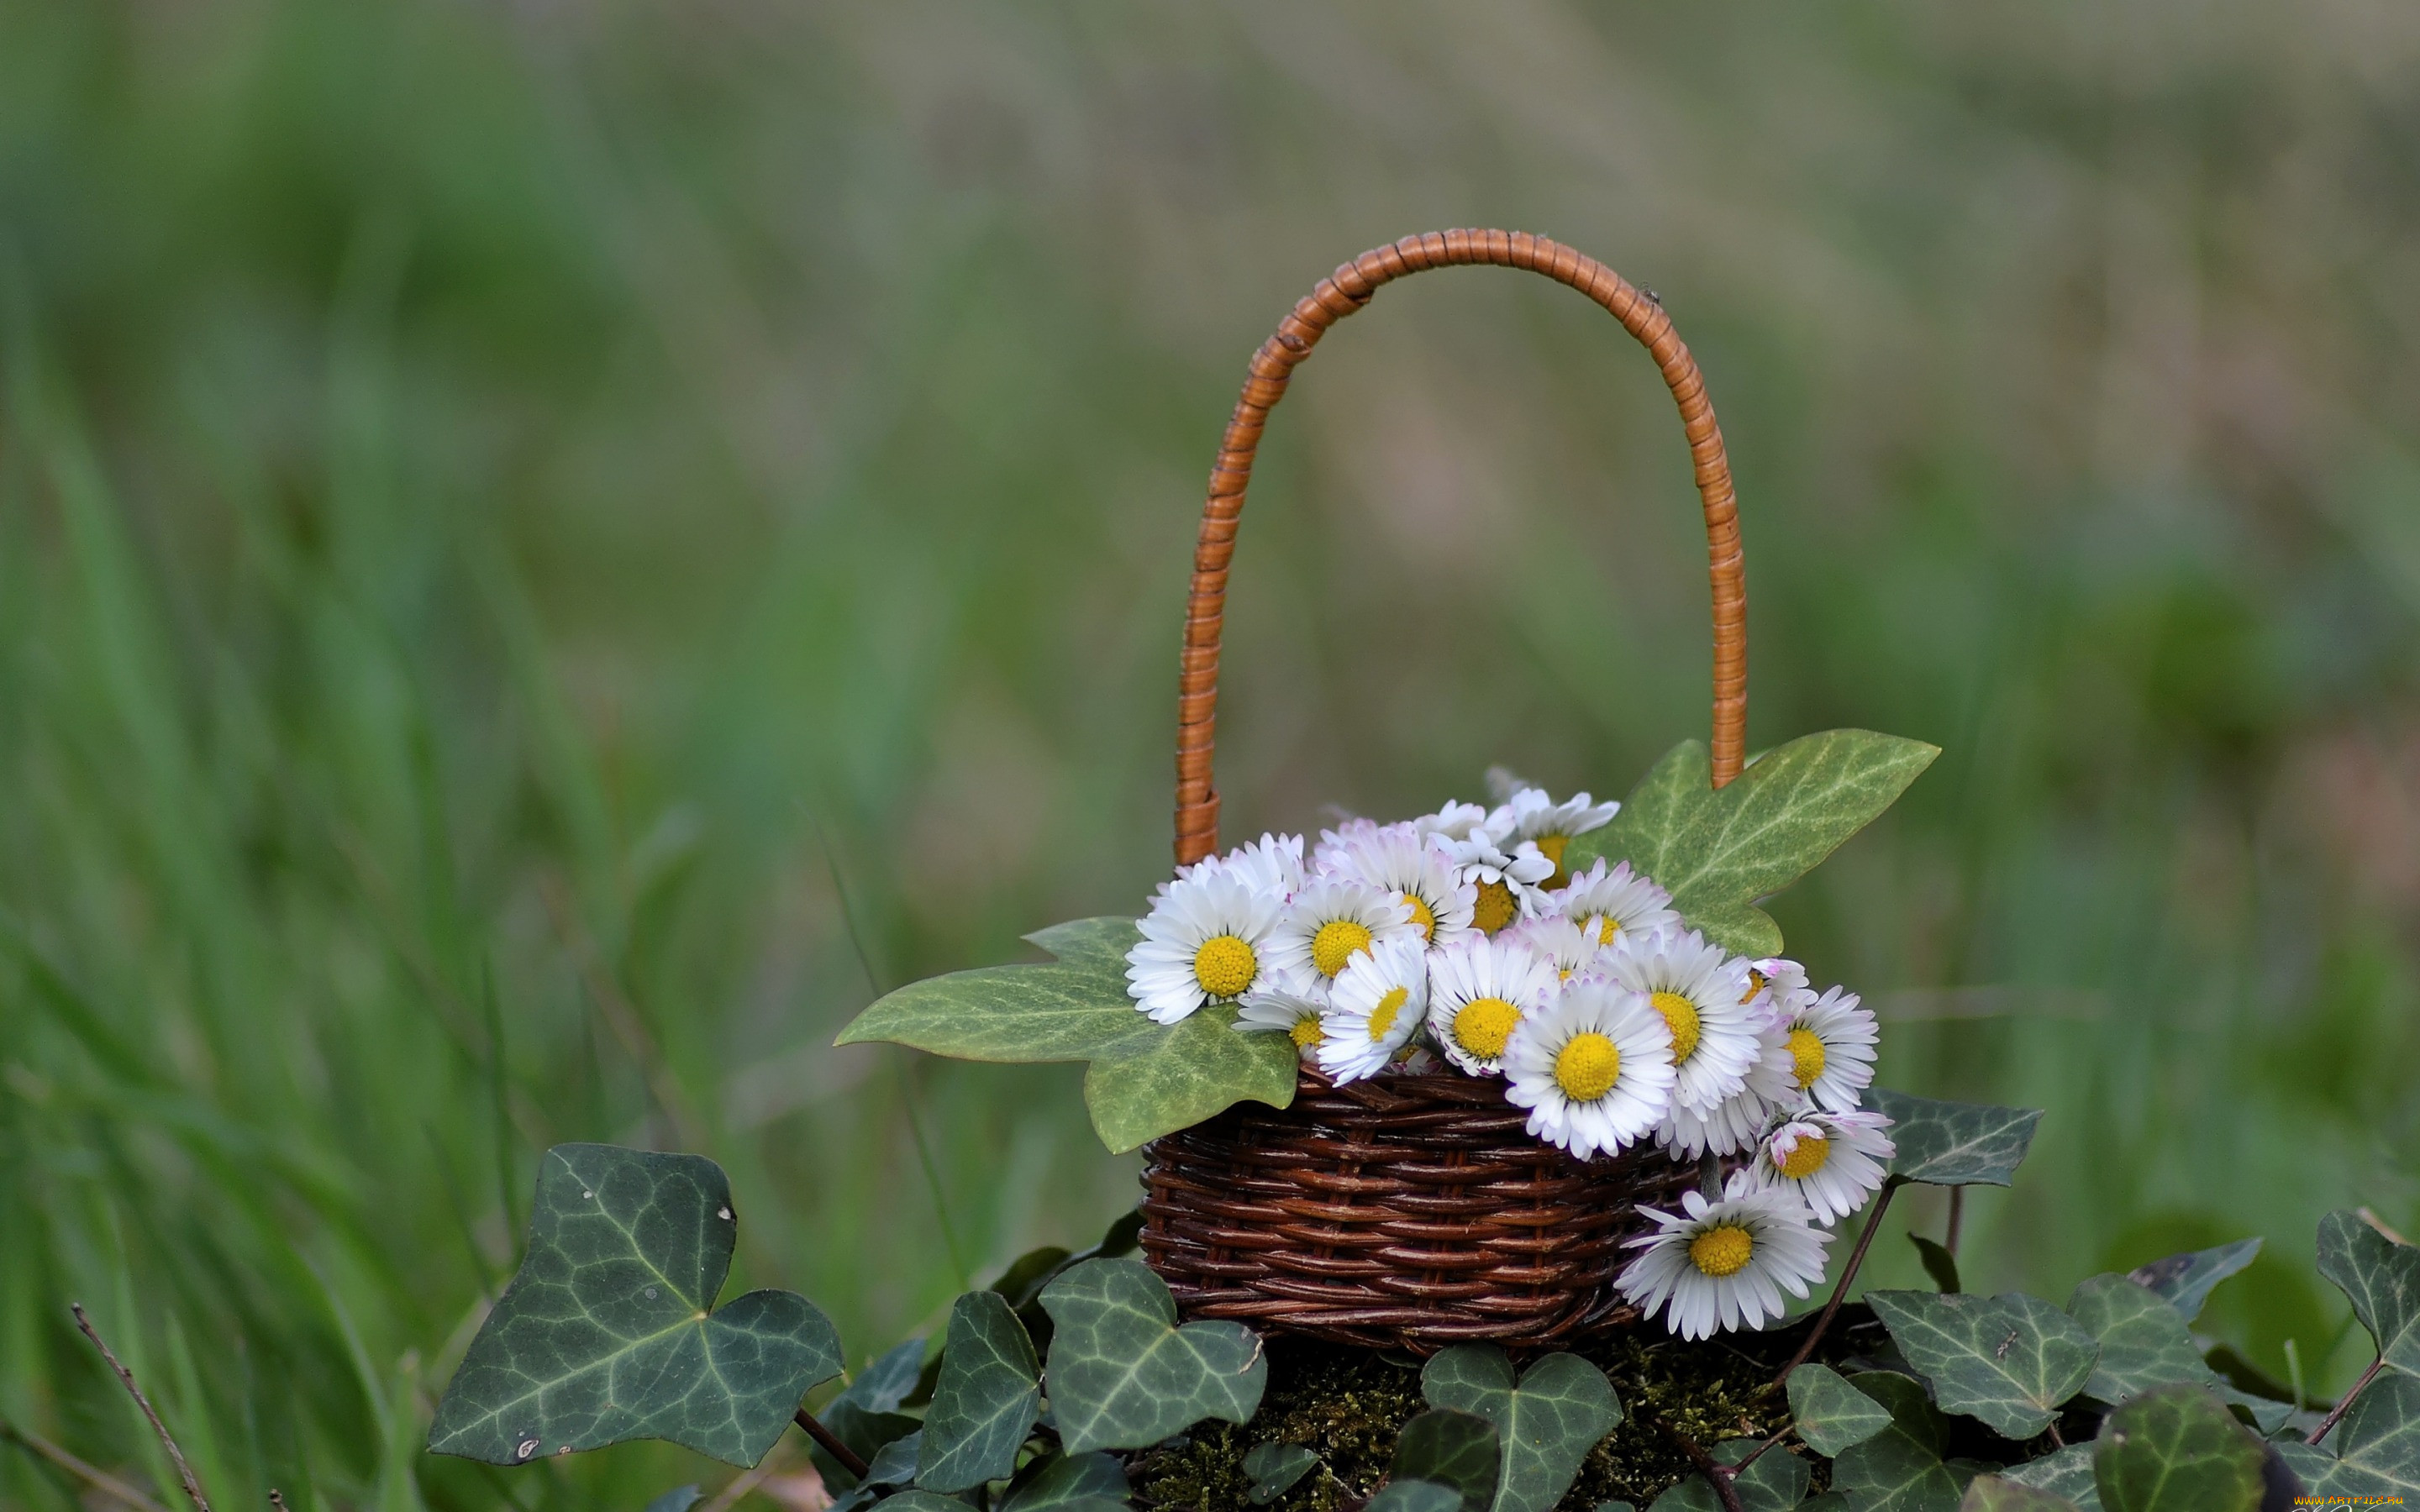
[{"x": 1338, "y": 295}]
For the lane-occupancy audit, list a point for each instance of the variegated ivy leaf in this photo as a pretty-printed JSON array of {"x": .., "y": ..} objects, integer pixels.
[
  {"x": 1124, "y": 1376},
  {"x": 2142, "y": 1342},
  {"x": 2066, "y": 1472},
  {"x": 1143, "y": 1079},
  {"x": 2186, "y": 1280},
  {"x": 1899, "y": 1469},
  {"x": 1831, "y": 1415},
  {"x": 1451, "y": 1448},
  {"x": 985, "y": 1401},
  {"x": 1719, "y": 852},
  {"x": 1775, "y": 1482},
  {"x": 2178, "y": 1450},
  {"x": 1996, "y": 1493},
  {"x": 1547, "y": 1425},
  {"x": 2373, "y": 1452},
  {"x": 1955, "y": 1144},
  {"x": 2382, "y": 1280},
  {"x": 610, "y": 1331},
  {"x": 2011, "y": 1361}
]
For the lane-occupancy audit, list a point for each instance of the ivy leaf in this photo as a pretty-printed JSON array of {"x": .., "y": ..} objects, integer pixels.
[
  {"x": 1938, "y": 1262},
  {"x": 2382, "y": 1278},
  {"x": 1545, "y": 1426},
  {"x": 1274, "y": 1468},
  {"x": 1775, "y": 1482},
  {"x": 1450, "y": 1448},
  {"x": 920, "y": 1502},
  {"x": 1719, "y": 852},
  {"x": 2175, "y": 1449},
  {"x": 1994, "y": 1494},
  {"x": 2010, "y": 1361},
  {"x": 1124, "y": 1376},
  {"x": 1955, "y": 1144},
  {"x": 1899, "y": 1469},
  {"x": 2186, "y": 1280},
  {"x": 2142, "y": 1342},
  {"x": 1414, "y": 1496},
  {"x": 1064, "y": 1481},
  {"x": 1144, "y": 1080},
  {"x": 2375, "y": 1450},
  {"x": 2066, "y": 1472},
  {"x": 866, "y": 1415},
  {"x": 1832, "y": 1415},
  {"x": 609, "y": 1330},
  {"x": 985, "y": 1402}
]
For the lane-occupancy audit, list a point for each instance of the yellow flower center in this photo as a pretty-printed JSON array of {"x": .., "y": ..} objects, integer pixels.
[
  {"x": 1422, "y": 914},
  {"x": 1382, "y": 1018},
  {"x": 1606, "y": 928},
  {"x": 1807, "y": 1158},
  {"x": 1334, "y": 945},
  {"x": 1224, "y": 965},
  {"x": 1587, "y": 1066},
  {"x": 1755, "y": 984},
  {"x": 1680, "y": 1017},
  {"x": 1551, "y": 847},
  {"x": 1306, "y": 1032},
  {"x": 1494, "y": 908},
  {"x": 1722, "y": 1250},
  {"x": 1806, "y": 1057},
  {"x": 1482, "y": 1024}
]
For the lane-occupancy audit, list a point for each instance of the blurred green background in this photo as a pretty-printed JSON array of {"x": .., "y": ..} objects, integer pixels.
[{"x": 516, "y": 520}]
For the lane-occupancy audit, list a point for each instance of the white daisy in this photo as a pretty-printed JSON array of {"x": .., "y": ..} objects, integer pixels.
[
  {"x": 1504, "y": 883},
  {"x": 1783, "y": 982},
  {"x": 1570, "y": 949},
  {"x": 1833, "y": 1161},
  {"x": 1531, "y": 815},
  {"x": 1832, "y": 1050},
  {"x": 1717, "y": 1266},
  {"x": 1271, "y": 864},
  {"x": 1377, "y": 1004},
  {"x": 1480, "y": 990},
  {"x": 1454, "y": 822},
  {"x": 1734, "y": 1123},
  {"x": 1205, "y": 940},
  {"x": 1594, "y": 1069},
  {"x": 1331, "y": 920},
  {"x": 1412, "y": 1060},
  {"x": 1413, "y": 866},
  {"x": 1703, "y": 994},
  {"x": 1274, "y": 1010},
  {"x": 1615, "y": 904}
]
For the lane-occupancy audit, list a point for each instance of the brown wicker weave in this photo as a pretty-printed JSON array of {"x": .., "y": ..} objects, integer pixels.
[{"x": 1410, "y": 1211}]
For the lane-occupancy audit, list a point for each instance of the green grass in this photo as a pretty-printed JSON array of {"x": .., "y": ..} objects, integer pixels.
[{"x": 508, "y": 514}]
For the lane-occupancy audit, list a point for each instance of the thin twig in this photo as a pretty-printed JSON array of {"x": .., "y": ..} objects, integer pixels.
[
  {"x": 125, "y": 1377},
  {"x": 277, "y": 1499},
  {"x": 832, "y": 1446},
  {"x": 1840, "y": 1292},
  {"x": 1717, "y": 1474},
  {"x": 2339, "y": 1410},
  {"x": 2370, "y": 1217},
  {"x": 93, "y": 1476},
  {"x": 1758, "y": 1453}
]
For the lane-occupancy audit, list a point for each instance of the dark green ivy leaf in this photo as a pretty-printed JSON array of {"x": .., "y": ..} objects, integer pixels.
[
  {"x": 1719, "y": 852},
  {"x": 2142, "y": 1342},
  {"x": 2382, "y": 1278},
  {"x": 1832, "y": 1415},
  {"x": 2010, "y": 1361},
  {"x": 1545, "y": 1426},
  {"x": 1775, "y": 1482},
  {"x": 1899, "y": 1469},
  {"x": 1414, "y": 1496},
  {"x": 1274, "y": 1468},
  {"x": 1938, "y": 1262},
  {"x": 894, "y": 1463},
  {"x": 2175, "y": 1449},
  {"x": 986, "y": 1399},
  {"x": 1144, "y": 1080},
  {"x": 1450, "y": 1448},
  {"x": 1992, "y": 1493},
  {"x": 1062, "y": 1481},
  {"x": 2374, "y": 1451},
  {"x": 1955, "y": 1144},
  {"x": 2186, "y": 1280},
  {"x": 2066, "y": 1472},
  {"x": 1124, "y": 1376},
  {"x": 921, "y": 1502},
  {"x": 609, "y": 1332},
  {"x": 865, "y": 1417}
]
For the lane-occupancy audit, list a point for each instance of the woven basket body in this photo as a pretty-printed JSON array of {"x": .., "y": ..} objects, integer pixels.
[{"x": 1401, "y": 1212}]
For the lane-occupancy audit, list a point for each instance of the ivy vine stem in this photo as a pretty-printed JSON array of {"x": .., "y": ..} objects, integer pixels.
[
  {"x": 831, "y": 1445},
  {"x": 1840, "y": 1292},
  {"x": 1717, "y": 1474},
  {"x": 2345, "y": 1400},
  {"x": 126, "y": 1379}
]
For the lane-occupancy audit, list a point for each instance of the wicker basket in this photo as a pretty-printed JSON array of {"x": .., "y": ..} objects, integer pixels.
[{"x": 1410, "y": 1211}]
